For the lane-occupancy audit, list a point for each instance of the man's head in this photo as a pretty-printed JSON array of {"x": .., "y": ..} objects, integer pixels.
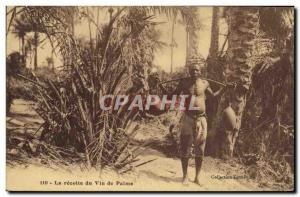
[{"x": 196, "y": 68}]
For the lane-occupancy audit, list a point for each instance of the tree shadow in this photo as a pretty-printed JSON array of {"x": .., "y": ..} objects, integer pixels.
[{"x": 166, "y": 146}]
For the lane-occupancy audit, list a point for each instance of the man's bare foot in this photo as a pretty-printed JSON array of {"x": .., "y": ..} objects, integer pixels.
[
  {"x": 185, "y": 181},
  {"x": 197, "y": 182}
]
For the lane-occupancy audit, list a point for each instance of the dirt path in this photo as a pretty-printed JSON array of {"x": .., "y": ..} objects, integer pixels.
[
  {"x": 166, "y": 173},
  {"x": 163, "y": 174}
]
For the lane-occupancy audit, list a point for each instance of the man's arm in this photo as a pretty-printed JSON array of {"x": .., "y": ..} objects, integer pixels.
[{"x": 155, "y": 109}]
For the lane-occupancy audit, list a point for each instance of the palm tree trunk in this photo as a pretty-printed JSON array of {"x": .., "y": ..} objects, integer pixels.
[
  {"x": 19, "y": 45},
  {"x": 35, "y": 50},
  {"x": 214, "y": 41},
  {"x": 193, "y": 36},
  {"x": 213, "y": 68},
  {"x": 23, "y": 45},
  {"x": 187, "y": 43},
  {"x": 243, "y": 25},
  {"x": 172, "y": 42}
]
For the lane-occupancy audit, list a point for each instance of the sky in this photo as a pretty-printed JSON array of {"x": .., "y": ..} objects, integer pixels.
[{"x": 162, "y": 56}]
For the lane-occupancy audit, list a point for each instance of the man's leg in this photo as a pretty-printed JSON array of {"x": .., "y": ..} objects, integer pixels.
[
  {"x": 198, "y": 163},
  {"x": 200, "y": 140},
  {"x": 185, "y": 147}
]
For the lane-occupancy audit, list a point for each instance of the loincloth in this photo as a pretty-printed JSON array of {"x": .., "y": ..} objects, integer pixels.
[{"x": 192, "y": 124}]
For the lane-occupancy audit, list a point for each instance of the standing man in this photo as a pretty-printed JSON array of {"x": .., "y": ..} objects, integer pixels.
[{"x": 193, "y": 123}]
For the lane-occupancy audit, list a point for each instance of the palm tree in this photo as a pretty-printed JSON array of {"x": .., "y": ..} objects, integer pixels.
[
  {"x": 173, "y": 43},
  {"x": 214, "y": 70},
  {"x": 32, "y": 22},
  {"x": 21, "y": 28},
  {"x": 214, "y": 41},
  {"x": 274, "y": 76},
  {"x": 31, "y": 46},
  {"x": 193, "y": 27},
  {"x": 243, "y": 26},
  {"x": 190, "y": 18},
  {"x": 28, "y": 48},
  {"x": 277, "y": 23}
]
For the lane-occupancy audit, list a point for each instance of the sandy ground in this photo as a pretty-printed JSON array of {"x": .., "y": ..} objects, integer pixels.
[{"x": 163, "y": 174}]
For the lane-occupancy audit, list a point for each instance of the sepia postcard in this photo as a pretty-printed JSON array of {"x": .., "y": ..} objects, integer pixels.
[{"x": 150, "y": 98}]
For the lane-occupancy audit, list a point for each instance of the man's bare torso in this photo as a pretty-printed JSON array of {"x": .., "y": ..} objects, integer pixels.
[{"x": 195, "y": 87}]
